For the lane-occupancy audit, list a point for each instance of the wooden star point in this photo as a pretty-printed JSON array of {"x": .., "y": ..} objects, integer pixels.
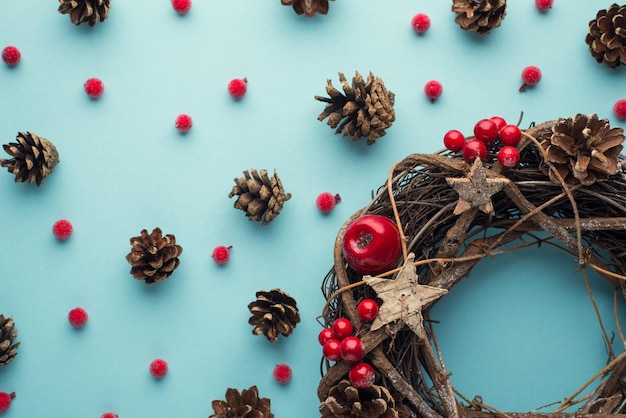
[{"x": 476, "y": 189}]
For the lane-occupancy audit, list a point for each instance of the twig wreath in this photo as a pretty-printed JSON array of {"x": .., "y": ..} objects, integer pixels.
[{"x": 451, "y": 214}]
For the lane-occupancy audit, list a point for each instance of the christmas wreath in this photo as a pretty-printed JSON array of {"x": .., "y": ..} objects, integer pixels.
[{"x": 453, "y": 208}]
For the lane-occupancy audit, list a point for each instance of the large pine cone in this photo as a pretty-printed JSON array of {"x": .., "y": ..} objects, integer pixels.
[
  {"x": 89, "y": 11},
  {"x": 153, "y": 257},
  {"x": 479, "y": 16},
  {"x": 8, "y": 346},
  {"x": 259, "y": 196},
  {"x": 607, "y": 36},
  {"x": 244, "y": 405},
  {"x": 345, "y": 400},
  {"x": 583, "y": 149},
  {"x": 366, "y": 109},
  {"x": 273, "y": 313},
  {"x": 34, "y": 158},
  {"x": 307, "y": 7}
]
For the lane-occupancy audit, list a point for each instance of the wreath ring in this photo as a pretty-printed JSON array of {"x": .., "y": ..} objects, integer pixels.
[{"x": 587, "y": 221}]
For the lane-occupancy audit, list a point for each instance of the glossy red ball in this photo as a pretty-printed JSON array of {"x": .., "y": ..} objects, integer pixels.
[
  {"x": 361, "y": 375},
  {"x": 433, "y": 90},
  {"x": 508, "y": 156},
  {"x": 486, "y": 130},
  {"x": 473, "y": 149},
  {"x": 368, "y": 309},
  {"x": 342, "y": 328},
  {"x": 331, "y": 350},
  {"x": 326, "y": 202},
  {"x": 510, "y": 135},
  {"x": 453, "y": 140},
  {"x": 325, "y": 335},
  {"x": 420, "y": 23},
  {"x": 531, "y": 76},
  {"x": 499, "y": 121},
  {"x": 352, "y": 349}
]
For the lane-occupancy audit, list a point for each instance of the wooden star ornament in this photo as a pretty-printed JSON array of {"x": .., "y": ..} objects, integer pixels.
[
  {"x": 476, "y": 189},
  {"x": 403, "y": 298}
]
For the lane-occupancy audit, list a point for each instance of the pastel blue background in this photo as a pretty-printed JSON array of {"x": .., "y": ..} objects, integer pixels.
[{"x": 520, "y": 332}]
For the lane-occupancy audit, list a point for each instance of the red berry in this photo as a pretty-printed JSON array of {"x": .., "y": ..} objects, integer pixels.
[
  {"x": 433, "y": 90},
  {"x": 221, "y": 254},
  {"x": 510, "y": 135},
  {"x": 531, "y": 75},
  {"x": 5, "y": 400},
  {"x": 473, "y": 149},
  {"x": 11, "y": 55},
  {"x": 282, "y": 373},
  {"x": 486, "y": 130},
  {"x": 77, "y": 317},
  {"x": 94, "y": 87},
  {"x": 499, "y": 121},
  {"x": 183, "y": 122},
  {"x": 420, "y": 23},
  {"x": 361, "y": 375},
  {"x": 158, "y": 368},
  {"x": 342, "y": 328},
  {"x": 352, "y": 349},
  {"x": 325, "y": 335},
  {"x": 62, "y": 229},
  {"x": 453, "y": 140},
  {"x": 544, "y": 5},
  {"x": 109, "y": 415},
  {"x": 368, "y": 309},
  {"x": 331, "y": 350},
  {"x": 620, "y": 109},
  {"x": 237, "y": 87},
  {"x": 508, "y": 156},
  {"x": 326, "y": 202},
  {"x": 181, "y": 6}
]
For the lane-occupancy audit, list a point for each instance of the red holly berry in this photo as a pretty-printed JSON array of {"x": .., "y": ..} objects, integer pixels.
[
  {"x": 433, "y": 90},
  {"x": 453, "y": 140},
  {"x": 531, "y": 75},
  {"x": 361, "y": 375},
  {"x": 237, "y": 87},
  {"x": 158, "y": 368},
  {"x": 332, "y": 349},
  {"x": 499, "y": 121},
  {"x": 78, "y": 317},
  {"x": 620, "y": 109},
  {"x": 282, "y": 373},
  {"x": 420, "y": 23},
  {"x": 473, "y": 149},
  {"x": 183, "y": 122},
  {"x": 62, "y": 229},
  {"x": 342, "y": 328},
  {"x": 510, "y": 135},
  {"x": 486, "y": 130},
  {"x": 508, "y": 156},
  {"x": 5, "y": 400},
  {"x": 221, "y": 254},
  {"x": 94, "y": 87},
  {"x": 109, "y": 415},
  {"x": 325, "y": 335},
  {"x": 181, "y": 6},
  {"x": 11, "y": 55},
  {"x": 544, "y": 5},
  {"x": 368, "y": 309},
  {"x": 352, "y": 349},
  {"x": 326, "y": 202}
]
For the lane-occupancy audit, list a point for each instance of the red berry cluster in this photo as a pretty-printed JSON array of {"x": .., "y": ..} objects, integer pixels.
[{"x": 489, "y": 135}]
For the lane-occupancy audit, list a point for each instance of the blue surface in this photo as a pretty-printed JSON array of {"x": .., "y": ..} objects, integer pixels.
[{"x": 124, "y": 167}]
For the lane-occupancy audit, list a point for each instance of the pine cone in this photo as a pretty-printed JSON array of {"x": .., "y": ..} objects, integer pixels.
[
  {"x": 345, "y": 400},
  {"x": 308, "y": 7},
  {"x": 366, "y": 109},
  {"x": 479, "y": 16},
  {"x": 607, "y": 36},
  {"x": 274, "y": 312},
  {"x": 81, "y": 11},
  {"x": 153, "y": 257},
  {"x": 583, "y": 149},
  {"x": 259, "y": 196},
  {"x": 34, "y": 158},
  {"x": 8, "y": 346},
  {"x": 244, "y": 405}
]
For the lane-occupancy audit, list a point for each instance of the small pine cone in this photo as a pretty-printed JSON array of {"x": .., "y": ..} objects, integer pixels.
[
  {"x": 244, "y": 405},
  {"x": 583, "y": 149},
  {"x": 307, "y": 7},
  {"x": 261, "y": 197},
  {"x": 273, "y": 313},
  {"x": 153, "y": 257},
  {"x": 365, "y": 110},
  {"x": 479, "y": 16},
  {"x": 34, "y": 158},
  {"x": 8, "y": 346},
  {"x": 607, "y": 36},
  {"x": 81, "y": 11},
  {"x": 345, "y": 400}
]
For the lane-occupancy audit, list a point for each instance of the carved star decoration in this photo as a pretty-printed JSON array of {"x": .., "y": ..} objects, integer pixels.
[
  {"x": 476, "y": 189},
  {"x": 403, "y": 298}
]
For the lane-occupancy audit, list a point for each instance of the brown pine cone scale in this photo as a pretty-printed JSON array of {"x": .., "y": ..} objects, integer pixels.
[
  {"x": 246, "y": 404},
  {"x": 33, "y": 158},
  {"x": 479, "y": 16},
  {"x": 8, "y": 346},
  {"x": 607, "y": 36},
  {"x": 85, "y": 11},
  {"x": 273, "y": 313},
  {"x": 307, "y": 7},
  {"x": 153, "y": 257},
  {"x": 345, "y": 400},
  {"x": 261, "y": 197}
]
